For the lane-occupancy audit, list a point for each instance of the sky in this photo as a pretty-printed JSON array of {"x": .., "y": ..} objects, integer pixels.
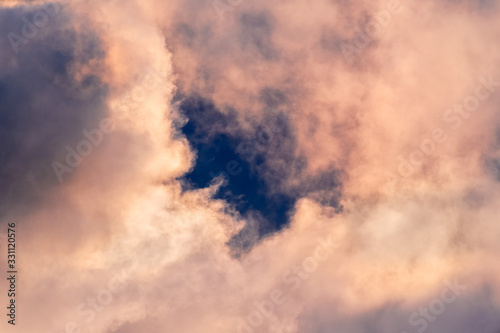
[{"x": 250, "y": 166}]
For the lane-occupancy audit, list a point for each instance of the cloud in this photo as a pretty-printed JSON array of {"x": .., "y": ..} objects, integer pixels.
[
  {"x": 46, "y": 101},
  {"x": 381, "y": 154}
]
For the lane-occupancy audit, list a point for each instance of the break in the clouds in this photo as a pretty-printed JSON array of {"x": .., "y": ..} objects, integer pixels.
[{"x": 252, "y": 166}]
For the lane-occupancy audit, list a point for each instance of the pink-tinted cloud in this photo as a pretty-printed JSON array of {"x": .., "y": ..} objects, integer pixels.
[{"x": 406, "y": 126}]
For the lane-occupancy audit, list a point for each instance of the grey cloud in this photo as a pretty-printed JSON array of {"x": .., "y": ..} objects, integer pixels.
[{"x": 43, "y": 105}]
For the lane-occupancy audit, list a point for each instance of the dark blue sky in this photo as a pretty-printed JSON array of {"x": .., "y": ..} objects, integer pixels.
[
  {"x": 254, "y": 182},
  {"x": 218, "y": 154}
]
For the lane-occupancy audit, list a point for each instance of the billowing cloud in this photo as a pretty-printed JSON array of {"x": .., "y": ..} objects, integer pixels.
[{"x": 289, "y": 166}]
